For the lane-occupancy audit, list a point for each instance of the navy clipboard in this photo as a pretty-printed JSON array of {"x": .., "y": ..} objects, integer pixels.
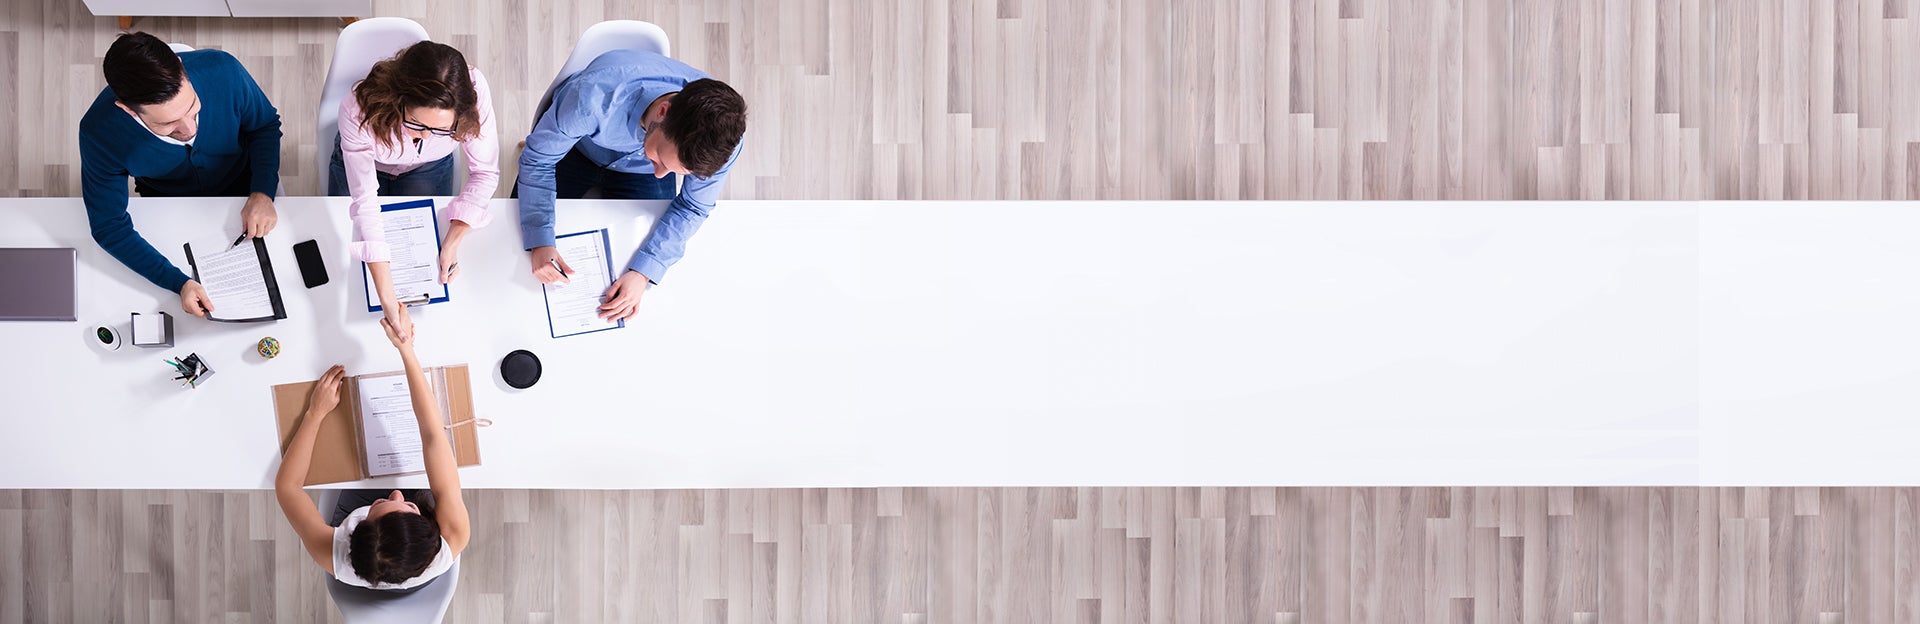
[
  {"x": 366, "y": 281},
  {"x": 607, "y": 252}
]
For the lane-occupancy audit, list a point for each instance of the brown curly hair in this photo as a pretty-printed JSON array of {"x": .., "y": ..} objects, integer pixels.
[{"x": 426, "y": 74}]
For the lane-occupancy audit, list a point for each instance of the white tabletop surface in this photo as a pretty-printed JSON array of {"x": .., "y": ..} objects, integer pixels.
[{"x": 810, "y": 344}]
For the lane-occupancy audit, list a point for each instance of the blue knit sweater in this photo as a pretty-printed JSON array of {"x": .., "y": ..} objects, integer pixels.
[{"x": 239, "y": 134}]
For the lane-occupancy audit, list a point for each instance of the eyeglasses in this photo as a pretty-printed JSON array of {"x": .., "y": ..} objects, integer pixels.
[{"x": 420, "y": 127}]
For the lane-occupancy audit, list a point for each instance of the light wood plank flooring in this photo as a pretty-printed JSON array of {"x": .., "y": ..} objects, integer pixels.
[
  {"x": 1069, "y": 99},
  {"x": 1019, "y": 555},
  {"x": 1155, "y": 99}
]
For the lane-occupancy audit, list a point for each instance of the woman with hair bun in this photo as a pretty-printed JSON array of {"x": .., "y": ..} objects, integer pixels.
[{"x": 392, "y": 554}]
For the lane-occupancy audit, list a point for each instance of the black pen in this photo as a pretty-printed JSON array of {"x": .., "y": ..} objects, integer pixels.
[{"x": 236, "y": 242}]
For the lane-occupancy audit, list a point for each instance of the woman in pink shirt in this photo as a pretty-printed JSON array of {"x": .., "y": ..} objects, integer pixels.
[{"x": 397, "y": 136}]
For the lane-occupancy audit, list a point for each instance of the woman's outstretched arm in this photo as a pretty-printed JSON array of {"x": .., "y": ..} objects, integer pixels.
[
  {"x": 287, "y": 485},
  {"x": 443, "y": 472}
]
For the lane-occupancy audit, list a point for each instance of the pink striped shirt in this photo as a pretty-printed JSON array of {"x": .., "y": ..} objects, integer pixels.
[{"x": 364, "y": 157}]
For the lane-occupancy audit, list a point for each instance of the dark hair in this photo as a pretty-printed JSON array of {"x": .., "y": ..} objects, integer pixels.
[
  {"x": 426, "y": 74},
  {"x": 706, "y": 121},
  {"x": 396, "y": 547},
  {"x": 142, "y": 71}
]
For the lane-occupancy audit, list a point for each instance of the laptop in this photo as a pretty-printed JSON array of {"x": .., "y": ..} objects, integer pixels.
[{"x": 38, "y": 283}]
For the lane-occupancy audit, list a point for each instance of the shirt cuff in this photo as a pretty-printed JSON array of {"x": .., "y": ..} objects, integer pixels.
[
  {"x": 372, "y": 251},
  {"x": 648, "y": 266},
  {"x": 473, "y": 214},
  {"x": 536, "y": 237}
]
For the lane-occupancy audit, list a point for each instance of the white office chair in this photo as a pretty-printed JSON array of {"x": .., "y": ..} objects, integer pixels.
[
  {"x": 361, "y": 44},
  {"x": 328, "y": 499},
  {"x": 602, "y": 38},
  {"x": 180, "y": 47}
]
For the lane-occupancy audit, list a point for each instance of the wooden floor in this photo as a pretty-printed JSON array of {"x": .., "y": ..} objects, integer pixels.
[
  {"x": 1021, "y": 555},
  {"x": 1155, "y": 99},
  {"x": 1072, "y": 99}
]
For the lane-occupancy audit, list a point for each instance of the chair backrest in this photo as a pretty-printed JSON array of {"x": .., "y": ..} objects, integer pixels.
[
  {"x": 326, "y": 501},
  {"x": 180, "y": 47},
  {"x": 427, "y": 603},
  {"x": 599, "y": 39},
  {"x": 361, "y": 44}
]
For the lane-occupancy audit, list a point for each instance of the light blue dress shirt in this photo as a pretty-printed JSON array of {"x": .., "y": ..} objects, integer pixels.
[{"x": 598, "y": 112}]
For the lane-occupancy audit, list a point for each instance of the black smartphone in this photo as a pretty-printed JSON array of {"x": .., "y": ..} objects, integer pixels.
[{"x": 312, "y": 270}]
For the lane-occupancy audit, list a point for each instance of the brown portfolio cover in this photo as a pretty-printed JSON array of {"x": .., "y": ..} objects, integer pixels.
[{"x": 336, "y": 452}]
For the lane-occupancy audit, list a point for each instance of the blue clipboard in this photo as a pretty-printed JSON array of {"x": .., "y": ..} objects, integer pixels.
[
  {"x": 366, "y": 280},
  {"x": 548, "y": 304}
]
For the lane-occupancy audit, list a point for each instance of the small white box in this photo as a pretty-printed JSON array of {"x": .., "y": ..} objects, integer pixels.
[{"x": 152, "y": 330}]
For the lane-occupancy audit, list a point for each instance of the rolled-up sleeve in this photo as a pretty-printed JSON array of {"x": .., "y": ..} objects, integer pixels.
[
  {"x": 577, "y": 108},
  {"x": 363, "y": 186},
  {"x": 667, "y": 243}
]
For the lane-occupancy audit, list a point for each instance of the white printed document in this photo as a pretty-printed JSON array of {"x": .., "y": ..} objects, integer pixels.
[
  {"x": 413, "y": 240},
  {"x": 239, "y": 280},
  {"x": 389, "y": 431},
  {"x": 574, "y": 308}
]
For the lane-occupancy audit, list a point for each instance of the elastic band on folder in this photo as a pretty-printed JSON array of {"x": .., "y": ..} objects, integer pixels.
[{"x": 477, "y": 422}]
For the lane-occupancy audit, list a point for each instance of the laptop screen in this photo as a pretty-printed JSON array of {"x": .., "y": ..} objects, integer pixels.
[{"x": 38, "y": 283}]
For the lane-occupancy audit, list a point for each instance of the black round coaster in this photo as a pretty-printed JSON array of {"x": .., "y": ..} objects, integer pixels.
[{"x": 520, "y": 368}]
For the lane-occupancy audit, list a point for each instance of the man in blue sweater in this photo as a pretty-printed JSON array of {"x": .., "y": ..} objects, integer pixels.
[
  {"x": 187, "y": 125},
  {"x": 629, "y": 124}
]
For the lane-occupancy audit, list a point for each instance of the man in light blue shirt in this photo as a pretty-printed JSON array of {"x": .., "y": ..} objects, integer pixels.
[{"x": 629, "y": 124}]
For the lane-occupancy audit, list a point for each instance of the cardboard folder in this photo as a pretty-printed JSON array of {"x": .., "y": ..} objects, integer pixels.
[{"x": 338, "y": 456}]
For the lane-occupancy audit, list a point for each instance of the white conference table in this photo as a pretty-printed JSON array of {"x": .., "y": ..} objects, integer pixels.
[{"x": 844, "y": 344}]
